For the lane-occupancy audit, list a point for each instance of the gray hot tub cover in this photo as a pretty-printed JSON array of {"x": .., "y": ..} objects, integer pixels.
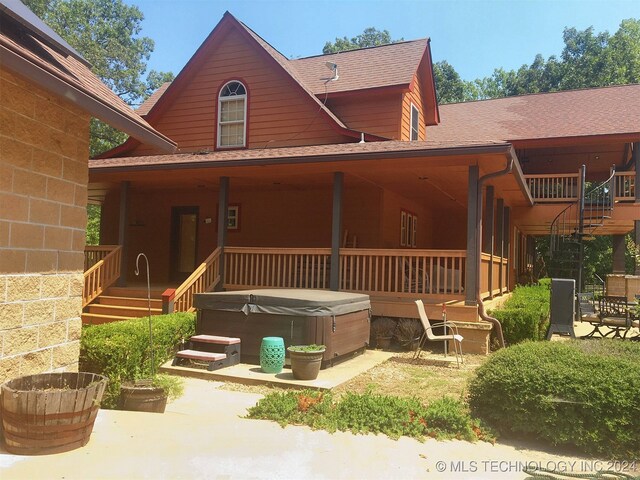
[{"x": 303, "y": 302}]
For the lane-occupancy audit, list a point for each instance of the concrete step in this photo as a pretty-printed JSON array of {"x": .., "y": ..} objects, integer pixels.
[
  {"x": 97, "y": 319},
  {"x": 122, "y": 310},
  {"x": 128, "y": 301}
]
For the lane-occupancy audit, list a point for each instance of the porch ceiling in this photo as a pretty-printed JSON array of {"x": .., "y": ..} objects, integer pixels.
[{"x": 439, "y": 180}]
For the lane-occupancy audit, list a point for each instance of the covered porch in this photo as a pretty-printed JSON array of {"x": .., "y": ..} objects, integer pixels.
[{"x": 430, "y": 223}]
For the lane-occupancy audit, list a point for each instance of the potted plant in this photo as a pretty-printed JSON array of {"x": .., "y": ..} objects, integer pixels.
[
  {"x": 149, "y": 394},
  {"x": 382, "y": 329},
  {"x": 306, "y": 360}
]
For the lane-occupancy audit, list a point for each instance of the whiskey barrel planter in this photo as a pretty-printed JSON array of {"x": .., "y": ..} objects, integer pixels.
[
  {"x": 50, "y": 412},
  {"x": 142, "y": 396}
]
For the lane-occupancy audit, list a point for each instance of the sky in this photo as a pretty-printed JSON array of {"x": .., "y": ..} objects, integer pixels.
[{"x": 475, "y": 36}]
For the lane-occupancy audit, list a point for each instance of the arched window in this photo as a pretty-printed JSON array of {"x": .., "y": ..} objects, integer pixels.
[{"x": 232, "y": 115}]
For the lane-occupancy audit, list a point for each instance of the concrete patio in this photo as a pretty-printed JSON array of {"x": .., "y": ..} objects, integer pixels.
[{"x": 202, "y": 435}]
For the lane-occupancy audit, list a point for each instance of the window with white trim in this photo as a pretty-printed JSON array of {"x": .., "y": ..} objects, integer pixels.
[
  {"x": 232, "y": 115},
  {"x": 408, "y": 229},
  {"x": 415, "y": 122}
]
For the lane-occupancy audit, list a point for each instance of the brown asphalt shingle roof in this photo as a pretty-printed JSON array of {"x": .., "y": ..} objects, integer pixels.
[
  {"x": 68, "y": 70},
  {"x": 374, "y": 67},
  {"x": 574, "y": 113},
  {"x": 145, "y": 106},
  {"x": 271, "y": 155}
]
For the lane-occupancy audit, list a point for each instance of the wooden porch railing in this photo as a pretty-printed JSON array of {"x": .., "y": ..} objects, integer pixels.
[
  {"x": 553, "y": 188},
  {"x": 203, "y": 279},
  {"x": 102, "y": 272},
  {"x": 490, "y": 268},
  {"x": 402, "y": 272},
  {"x": 625, "y": 186},
  {"x": 251, "y": 267},
  {"x": 94, "y": 253}
]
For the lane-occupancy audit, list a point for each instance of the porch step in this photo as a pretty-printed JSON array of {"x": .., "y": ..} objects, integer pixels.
[
  {"x": 135, "y": 292},
  {"x": 203, "y": 350},
  {"x": 98, "y": 319},
  {"x": 122, "y": 310},
  {"x": 129, "y": 301}
]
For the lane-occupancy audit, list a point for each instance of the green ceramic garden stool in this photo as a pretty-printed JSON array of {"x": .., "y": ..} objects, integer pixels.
[{"x": 272, "y": 354}]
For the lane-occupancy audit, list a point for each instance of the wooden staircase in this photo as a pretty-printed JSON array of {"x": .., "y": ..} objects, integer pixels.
[{"x": 122, "y": 303}]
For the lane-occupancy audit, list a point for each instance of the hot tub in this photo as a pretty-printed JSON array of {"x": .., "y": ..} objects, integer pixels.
[{"x": 338, "y": 320}]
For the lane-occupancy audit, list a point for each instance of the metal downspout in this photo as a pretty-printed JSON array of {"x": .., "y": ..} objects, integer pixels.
[{"x": 494, "y": 321}]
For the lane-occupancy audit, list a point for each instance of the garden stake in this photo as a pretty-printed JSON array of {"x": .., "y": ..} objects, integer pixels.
[{"x": 153, "y": 363}]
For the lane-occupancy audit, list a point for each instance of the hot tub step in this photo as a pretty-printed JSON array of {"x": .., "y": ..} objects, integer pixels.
[
  {"x": 202, "y": 350},
  {"x": 213, "y": 361},
  {"x": 198, "y": 355},
  {"x": 215, "y": 339}
]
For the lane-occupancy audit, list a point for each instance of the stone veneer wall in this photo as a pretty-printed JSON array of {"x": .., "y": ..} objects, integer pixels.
[{"x": 43, "y": 195}]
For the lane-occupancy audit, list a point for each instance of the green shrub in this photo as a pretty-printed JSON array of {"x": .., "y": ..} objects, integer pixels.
[
  {"x": 120, "y": 350},
  {"x": 525, "y": 316},
  {"x": 580, "y": 393},
  {"x": 371, "y": 413}
]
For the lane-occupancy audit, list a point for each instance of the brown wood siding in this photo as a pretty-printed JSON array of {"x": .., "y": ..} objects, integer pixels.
[
  {"x": 413, "y": 97},
  {"x": 375, "y": 114},
  {"x": 278, "y": 112}
]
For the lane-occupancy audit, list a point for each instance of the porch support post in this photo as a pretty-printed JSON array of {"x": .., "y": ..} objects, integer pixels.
[
  {"x": 488, "y": 232},
  {"x": 619, "y": 247},
  {"x": 336, "y": 224},
  {"x": 636, "y": 240},
  {"x": 122, "y": 233},
  {"x": 500, "y": 242},
  {"x": 471, "y": 264},
  {"x": 223, "y": 214},
  {"x": 507, "y": 246},
  {"x": 636, "y": 161}
]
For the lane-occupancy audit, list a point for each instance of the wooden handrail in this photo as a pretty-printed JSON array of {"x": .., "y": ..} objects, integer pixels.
[
  {"x": 403, "y": 272},
  {"x": 625, "y": 186},
  {"x": 203, "y": 279},
  {"x": 102, "y": 274},
  {"x": 490, "y": 267},
  {"x": 250, "y": 267},
  {"x": 94, "y": 253},
  {"x": 560, "y": 187}
]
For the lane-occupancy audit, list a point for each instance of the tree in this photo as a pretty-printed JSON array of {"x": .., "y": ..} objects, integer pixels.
[
  {"x": 450, "y": 88},
  {"x": 107, "y": 34},
  {"x": 371, "y": 37}
]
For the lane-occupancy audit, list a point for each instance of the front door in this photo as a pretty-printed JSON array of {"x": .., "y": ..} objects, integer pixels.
[{"x": 184, "y": 246}]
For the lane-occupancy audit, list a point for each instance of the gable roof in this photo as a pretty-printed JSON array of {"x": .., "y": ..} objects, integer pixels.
[
  {"x": 151, "y": 100},
  {"x": 545, "y": 116},
  {"x": 366, "y": 68},
  {"x": 387, "y": 66},
  {"x": 47, "y": 63},
  {"x": 155, "y": 105}
]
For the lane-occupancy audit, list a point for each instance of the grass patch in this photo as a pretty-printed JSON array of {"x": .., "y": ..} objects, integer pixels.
[{"x": 362, "y": 413}]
